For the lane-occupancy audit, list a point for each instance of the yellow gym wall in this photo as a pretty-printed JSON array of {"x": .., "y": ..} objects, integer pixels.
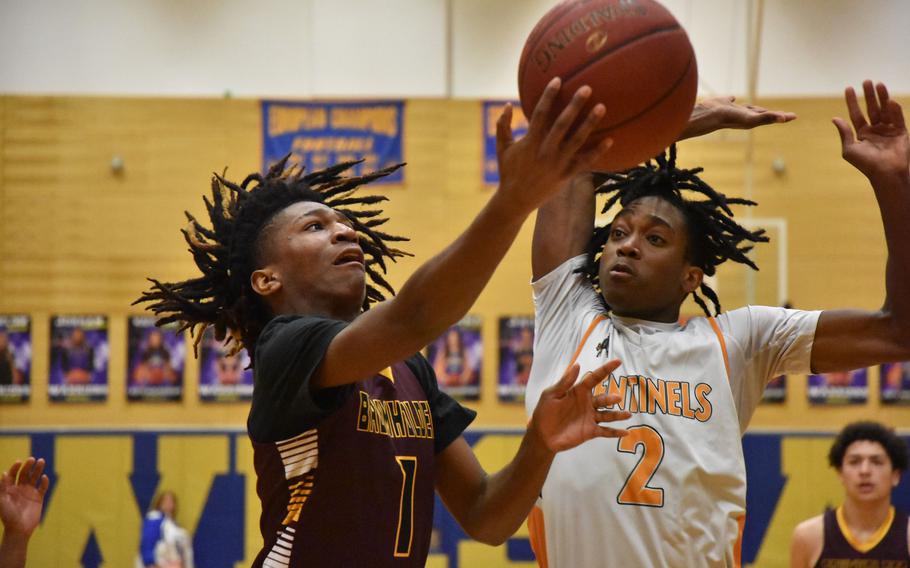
[{"x": 77, "y": 238}]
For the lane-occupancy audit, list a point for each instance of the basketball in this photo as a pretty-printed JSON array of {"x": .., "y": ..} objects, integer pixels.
[{"x": 637, "y": 60}]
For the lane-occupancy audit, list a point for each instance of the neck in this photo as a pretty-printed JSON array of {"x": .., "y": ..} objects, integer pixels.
[
  {"x": 670, "y": 314},
  {"x": 306, "y": 306},
  {"x": 866, "y": 516}
]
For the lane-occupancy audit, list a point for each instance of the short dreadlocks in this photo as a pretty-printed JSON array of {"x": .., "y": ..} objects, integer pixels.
[
  {"x": 714, "y": 237},
  {"x": 230, "y": 250}
]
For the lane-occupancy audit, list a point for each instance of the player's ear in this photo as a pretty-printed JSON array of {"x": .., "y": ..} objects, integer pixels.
[
  {"x": 692, "y": 278},
  {"x": 265, "y": 281}
]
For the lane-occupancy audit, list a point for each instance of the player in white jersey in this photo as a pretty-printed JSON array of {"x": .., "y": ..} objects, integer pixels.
[{"x": 672, "y": 492}]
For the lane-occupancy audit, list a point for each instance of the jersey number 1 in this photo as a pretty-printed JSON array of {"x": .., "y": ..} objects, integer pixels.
[
  {"x": 636, "y": 491},
  {"x": 405, "y": 533}
]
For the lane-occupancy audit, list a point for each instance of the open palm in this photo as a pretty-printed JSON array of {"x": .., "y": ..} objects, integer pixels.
[
  {"x": 568, "y": 413},
  {"x": 22, "y": 491},
  {"x": 880, "y": 146}
]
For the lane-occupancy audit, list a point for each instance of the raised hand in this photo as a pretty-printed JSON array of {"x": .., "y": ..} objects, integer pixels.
[
  {"x": 569, "y": 413},
  {"x": 551, "y": 153},
  {"x": 723, "y": 112},
  {"x": 22, "y": 490},
  {"x": 880, "y": 148}
]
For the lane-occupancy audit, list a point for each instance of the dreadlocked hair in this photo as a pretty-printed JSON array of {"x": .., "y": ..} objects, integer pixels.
[
  {"x": 714, "y": 237},
  {"x": 228, "y": 251}
]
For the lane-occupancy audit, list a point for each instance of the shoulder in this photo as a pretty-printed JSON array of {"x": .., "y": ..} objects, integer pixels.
[
  {"x": 295, "y": 332},
  {"x": 424, "y": 372},
  {"x": 809, "y": 539}
]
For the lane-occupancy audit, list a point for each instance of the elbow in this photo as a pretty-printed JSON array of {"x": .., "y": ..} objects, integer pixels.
[{"x": 487, "y": 535}]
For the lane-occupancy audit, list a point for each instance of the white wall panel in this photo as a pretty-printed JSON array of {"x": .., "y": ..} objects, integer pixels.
[
  {"x": 367, "y": 48},
  {"x": 379, "y": 48}
]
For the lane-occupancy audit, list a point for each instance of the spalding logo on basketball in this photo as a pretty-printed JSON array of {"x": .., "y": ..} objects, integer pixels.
[{"x": 636, "y": 58}]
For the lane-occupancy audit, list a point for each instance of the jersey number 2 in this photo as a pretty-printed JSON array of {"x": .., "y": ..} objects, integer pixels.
[
  {"x": 636, "y": 491},
  {"x": 405, "y": 533}
]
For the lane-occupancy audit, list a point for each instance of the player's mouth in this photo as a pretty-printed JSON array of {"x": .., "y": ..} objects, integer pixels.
[
  {"x": 351, "y": 256},
  {"x": 621, "y": 271}
]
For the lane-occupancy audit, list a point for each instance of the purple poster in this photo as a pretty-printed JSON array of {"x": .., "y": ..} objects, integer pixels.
[
  {"x": 516, "y": 352},
  {"x": 776, "y": 390},
  {"x": 848, "y": 387},
  {"x": 457, "y": 359},
  {"x": 15, "y": 358},
  {"x": 223, "y": 377},
  {"x": 896, "y": 383},
  {"x": 155, "y": 362},
  {"x": 79, "y": 357}
]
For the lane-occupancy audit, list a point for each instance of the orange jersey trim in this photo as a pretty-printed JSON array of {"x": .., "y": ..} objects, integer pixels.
[{"x": 723, "y": 344}]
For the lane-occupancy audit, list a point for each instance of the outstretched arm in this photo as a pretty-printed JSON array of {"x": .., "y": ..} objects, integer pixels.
[
  {"x": 490, "y": 508},
  {"x": 565, "y": 222},
  {"x": 22, "y": 490},
  {"x": 880, "y": 149},
  {"x": 444, "y": 288}
]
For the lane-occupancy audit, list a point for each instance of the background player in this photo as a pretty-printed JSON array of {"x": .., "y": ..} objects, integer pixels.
[
  {"x": 694, "y": 387},
  {"x": 869, "y": 460},
  {"x": 349, "y": 429}
]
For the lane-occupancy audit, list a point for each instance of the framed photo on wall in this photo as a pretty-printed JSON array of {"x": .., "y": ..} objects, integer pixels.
[
  {"x": 155, "y": 360},
  {"x": 15, "y": 358},
  {"x": 79, "y": 359},
  {"x": 223, "y": 376},
  {"x": 457, "y": 359},
  {"x": 516, "y": 353}
]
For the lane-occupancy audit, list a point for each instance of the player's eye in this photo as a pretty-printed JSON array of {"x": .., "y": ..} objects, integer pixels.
[
  {"x": 656, "y": 240},
  {"x": 617, "y": 233},
  {"x": 314, "y": 226}
]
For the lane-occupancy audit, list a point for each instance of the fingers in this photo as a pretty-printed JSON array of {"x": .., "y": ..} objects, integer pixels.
[
  {"x": 504, "y": 130},
  {"x": 611, "y": 415},
  {"x": 600, "y": 373},
  {"x": 872, "y": 107},
  {"x": 540, "y": 117},
  {"x": 605, "y": 400},
  {"x": 607, "y": 432},
  {"x": 35, "y": 473},
  {"x": 25, "y": 472},
  {"x": 846, "y": 133},
  {"x": 894, "y": 114},
  {"x": 566, "y": 381},
  {"x": 583, "y": 162},
  {"x": 583, "y": 132},
  {"x": 42, "y": 487},
  {"x": 14, "y": 471},
  {"x": 856, "y": 115},
  {"x": 567, "y": 118}
]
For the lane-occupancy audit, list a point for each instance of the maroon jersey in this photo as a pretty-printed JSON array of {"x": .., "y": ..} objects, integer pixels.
[
  {"x": 889, "y": 552},
  {"x": 345, "y": 476}
]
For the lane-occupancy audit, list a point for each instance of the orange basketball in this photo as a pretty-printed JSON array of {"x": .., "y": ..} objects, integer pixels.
[{"x": 637, "y": 60}]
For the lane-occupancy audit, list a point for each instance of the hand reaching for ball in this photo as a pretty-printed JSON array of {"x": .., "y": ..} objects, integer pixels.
[{"x": 724, "y": 112}]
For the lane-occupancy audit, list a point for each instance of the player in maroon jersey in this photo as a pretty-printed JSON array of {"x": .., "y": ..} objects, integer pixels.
[
  {"x": 350, "y": 432},
  {"x": 866, "y": 530}
]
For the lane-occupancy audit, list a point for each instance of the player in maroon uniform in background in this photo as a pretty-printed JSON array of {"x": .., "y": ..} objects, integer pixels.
[
  {"x": 866, "y": 530},
  {"x": 350, "y": 432}
]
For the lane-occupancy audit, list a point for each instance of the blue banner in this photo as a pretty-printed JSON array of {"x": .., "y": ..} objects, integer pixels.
[
  {"x": 491, "y": 113},
  {"x": 320, "y": 134}
]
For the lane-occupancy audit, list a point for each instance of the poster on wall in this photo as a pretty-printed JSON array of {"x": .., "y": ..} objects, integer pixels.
[
  {"x": 492, "y": 110},
  {"x": 321, "y": 134},
  {"x": 895, "y": 380},
  {"x": 79, "y": 359},
  {"x": 15, "y": 358},
  {"x": 848, "y": 387},
  {"x": 516, "y": 353},
  {"x": 457, "y": 359},
  {"x": 775, "y": 390},
  {"x": 155, "y": 361},
  {"x": 223, "y": 376}
]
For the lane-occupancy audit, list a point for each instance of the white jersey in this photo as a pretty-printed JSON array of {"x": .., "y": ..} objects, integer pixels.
[{"x": 673, "y": 492}]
